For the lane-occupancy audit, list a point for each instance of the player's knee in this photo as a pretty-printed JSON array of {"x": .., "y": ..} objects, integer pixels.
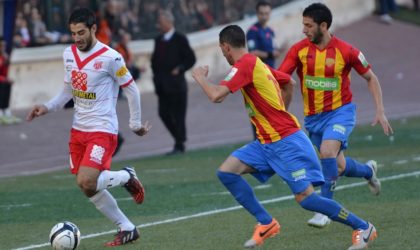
[
  {"x": 341, "y": 169},
  {"x": 327, "y": 153},
  {"x": 226, "y": 177},
  {"x": 87, "y": 185},
  {"x": 299, "y": 197}
]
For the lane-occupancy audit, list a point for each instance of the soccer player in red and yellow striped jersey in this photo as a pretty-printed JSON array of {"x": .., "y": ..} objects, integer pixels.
[
  {"x": 282, "y": 148},
  {"x": 323, "y": 63}
]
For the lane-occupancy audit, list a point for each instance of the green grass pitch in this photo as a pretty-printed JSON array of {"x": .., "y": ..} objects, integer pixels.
[{"x": 187, "y": 208}]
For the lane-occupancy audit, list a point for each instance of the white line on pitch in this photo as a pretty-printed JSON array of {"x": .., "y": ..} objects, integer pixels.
[
  {"x": 223, "y": 210},
  {"x": 8, "y": 207}
]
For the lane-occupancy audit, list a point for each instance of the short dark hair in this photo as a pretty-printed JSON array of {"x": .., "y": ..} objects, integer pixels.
[
  {"x": 233, "y": 35},
  {"x": 319, "y": 12},
  {"x": 83, "y": 15},
  {"x": 262, "y": 3}
]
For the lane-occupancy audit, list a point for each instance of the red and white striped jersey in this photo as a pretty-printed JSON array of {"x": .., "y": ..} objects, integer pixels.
[{"x": 94, "y": 78}]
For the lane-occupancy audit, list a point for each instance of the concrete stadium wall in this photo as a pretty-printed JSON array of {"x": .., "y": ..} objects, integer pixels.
[{"x": 38, "y": 72}]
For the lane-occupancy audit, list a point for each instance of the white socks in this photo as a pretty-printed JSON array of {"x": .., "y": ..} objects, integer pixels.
[
  {"x": 105, "y": 203},
  {"x": 109, "y": 179}
]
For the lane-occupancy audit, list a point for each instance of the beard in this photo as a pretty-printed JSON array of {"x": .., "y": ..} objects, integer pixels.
[
  {"x": 317, "y": 38},
  {"x": 87, "y": 46}
]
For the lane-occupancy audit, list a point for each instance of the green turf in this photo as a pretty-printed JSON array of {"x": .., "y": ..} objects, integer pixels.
[
  {"x": 407, "y": 15},
  {"x": 186, "y": 185}
]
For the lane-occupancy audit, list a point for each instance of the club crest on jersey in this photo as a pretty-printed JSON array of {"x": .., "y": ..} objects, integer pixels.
[
  {"x": 122, "y": 71},
  {"x": 79, "y": 80},
  {"x": 98, "y": 64},
  {"x": 329, "y": 62}
]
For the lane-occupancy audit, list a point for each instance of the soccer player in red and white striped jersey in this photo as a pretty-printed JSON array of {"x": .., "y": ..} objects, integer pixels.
[{"x": 93, "y": 75}]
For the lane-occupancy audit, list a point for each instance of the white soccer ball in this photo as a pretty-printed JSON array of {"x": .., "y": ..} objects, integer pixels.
[{"x": 65, "y": 236}]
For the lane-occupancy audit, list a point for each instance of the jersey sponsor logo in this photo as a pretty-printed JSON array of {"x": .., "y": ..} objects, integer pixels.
[
  {"x": 69, "y": 60},
  {"x": 122, "y": 71},
  {"x": 79, "y": 80},
  {"x": 321, "y": 83},
  {"x": 363, "y": 60},
  {"x": 84, "y": 103},
  {"x": 231, "y": 74},
  {"x": 84, "y": 95},
  {"x": 339, "y": 129},
  {"x": 299, "y": 175},
  {"x": 98, "y": 65},
  {"x": 329, "y": 62},
  {"x": 97, "y": 154}
]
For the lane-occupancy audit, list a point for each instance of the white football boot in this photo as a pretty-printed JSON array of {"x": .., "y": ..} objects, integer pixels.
[
  {"x": 373, "y": 183},
  {"x": 319, "y": 221}
]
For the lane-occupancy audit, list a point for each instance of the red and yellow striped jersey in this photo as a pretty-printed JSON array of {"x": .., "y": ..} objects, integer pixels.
[
  {"x": 324, "y": 74},
  {"x": 260, "y": 87}
]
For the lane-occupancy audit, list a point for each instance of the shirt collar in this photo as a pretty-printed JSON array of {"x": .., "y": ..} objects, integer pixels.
[{"x": 168, "y": 35}]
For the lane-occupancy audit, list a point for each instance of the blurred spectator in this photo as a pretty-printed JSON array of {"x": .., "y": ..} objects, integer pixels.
[
  {"x": 6, "y": 116},
  {"x": 260, "y": 36},
  {"x": 385, "y": 8},
  {"x": 22, "y": 37},
  {"x": 138, "y": 17},
  {"x": 124, "y": 50},
  {"x": 172, "y": 56},
  {"x": 38, "y": 29},
  {"x": 416, "y": 5},
  {"x": 103, "y": 32},
  {"x": 205, "y": 17}
]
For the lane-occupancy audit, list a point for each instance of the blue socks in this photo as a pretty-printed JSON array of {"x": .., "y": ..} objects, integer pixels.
[
  {"x": 244, "y": 195},
  {"x": 330, "y": 172},
  {"x": 357, "y": 169},
  {"x": 333, "y": 210}
]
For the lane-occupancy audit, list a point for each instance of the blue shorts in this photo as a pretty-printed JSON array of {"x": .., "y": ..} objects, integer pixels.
[
  {"x": 293, "y": 158},
  {"x": 334, "y": 125}
]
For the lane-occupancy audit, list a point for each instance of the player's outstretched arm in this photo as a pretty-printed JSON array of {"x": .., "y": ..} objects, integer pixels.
[
  {"x": 215, "y": 93},
  {"x": 36, "y": 111},
  {"x": 376, "y": 92}
]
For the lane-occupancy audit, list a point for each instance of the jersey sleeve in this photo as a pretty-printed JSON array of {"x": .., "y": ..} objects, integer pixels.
[
  {"x": 290, "y": 62},
  {"x": 237, "y": 78},
  {"x": 358, "y": 61},
  {"x": 67, "y": 69},
  {"x": 119, "y": 71},
  {"x": 281, "y": 77},
  {"x": 252, "y": 38}
]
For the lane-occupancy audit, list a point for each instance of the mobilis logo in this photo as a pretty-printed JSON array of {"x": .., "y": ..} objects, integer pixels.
[{"x": 321, "y": 83}]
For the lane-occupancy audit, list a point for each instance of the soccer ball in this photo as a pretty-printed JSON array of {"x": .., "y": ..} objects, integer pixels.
[{"x": 65, "y": 236}]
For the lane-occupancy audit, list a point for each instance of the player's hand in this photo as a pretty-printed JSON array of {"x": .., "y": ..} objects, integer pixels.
[
  {"x": 144, "y": 129},
  {"x": 36, "y": 111},
  {"x": 381, "y": 118},
  {"x": 276, "y": 53},
  {"x": 200, "y": 72},
  {"x": 175, "y": 71}
]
